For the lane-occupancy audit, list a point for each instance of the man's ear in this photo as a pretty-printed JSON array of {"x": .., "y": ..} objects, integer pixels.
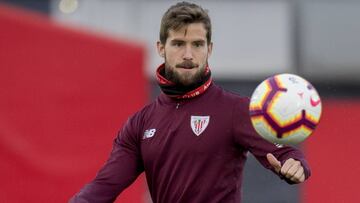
[
  {"x": 210, "y": 48},
  {"x": 160, "y": 49}
]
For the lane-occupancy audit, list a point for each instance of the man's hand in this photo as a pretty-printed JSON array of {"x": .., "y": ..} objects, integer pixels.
[{"x": 291, "y": 169}]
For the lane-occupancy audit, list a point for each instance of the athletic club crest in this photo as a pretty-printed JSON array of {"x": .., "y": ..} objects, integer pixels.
[{"x": 199, "y": 124}]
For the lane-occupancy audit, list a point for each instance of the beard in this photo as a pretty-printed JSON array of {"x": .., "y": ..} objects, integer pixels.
[{"x": 186, "y": 79}]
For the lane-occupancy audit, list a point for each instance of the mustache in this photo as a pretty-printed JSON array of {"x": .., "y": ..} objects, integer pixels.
[{"x": 187, "y": 64}]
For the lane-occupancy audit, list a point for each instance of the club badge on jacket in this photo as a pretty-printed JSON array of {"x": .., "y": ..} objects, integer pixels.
[{"x": 199, "y": 124}]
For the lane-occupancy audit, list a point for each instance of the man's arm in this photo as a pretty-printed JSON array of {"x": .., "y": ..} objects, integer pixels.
[{"x": 121, "y": 169}]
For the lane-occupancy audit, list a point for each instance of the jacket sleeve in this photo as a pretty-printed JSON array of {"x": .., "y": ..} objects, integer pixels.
[
  {"x": 120, "y": 170},
  {"x": 247, "y": 137}
]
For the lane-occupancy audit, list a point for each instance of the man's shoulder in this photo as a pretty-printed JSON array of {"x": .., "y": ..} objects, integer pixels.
[
  {"x": 231, "y": 96},
  {"x": 144, "y": 110}
]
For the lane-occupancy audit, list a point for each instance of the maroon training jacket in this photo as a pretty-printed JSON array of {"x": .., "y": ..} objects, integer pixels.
[{"x": 192, "y": 151}]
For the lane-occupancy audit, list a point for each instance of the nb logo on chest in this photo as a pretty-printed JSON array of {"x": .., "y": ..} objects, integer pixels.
[{"x": 149, "y": 133}]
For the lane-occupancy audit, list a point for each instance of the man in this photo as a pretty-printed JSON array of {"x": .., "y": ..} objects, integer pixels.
[{"x": 192, "y": 141}]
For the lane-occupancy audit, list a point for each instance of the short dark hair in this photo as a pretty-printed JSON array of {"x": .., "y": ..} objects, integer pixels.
[{"x": 182, "y": 14}]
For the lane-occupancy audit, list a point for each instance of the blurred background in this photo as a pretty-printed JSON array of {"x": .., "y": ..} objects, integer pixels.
[{"x": 72, "y": 71}]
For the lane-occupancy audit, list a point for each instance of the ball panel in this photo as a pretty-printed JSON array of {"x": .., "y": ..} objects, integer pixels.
[
  {"x": 259, "y": 96},
  {"x": 280, "y": 82},
  {"x": 303, "y": 130},
  {"x": 314, "y": 119},
  {"x": 313, "y": 107},
  {"x": 262, "y": 127},
  {"x": 283, "y": 122},
  {"x": 281, "y": 111},
  {"x": 297, "y": 136}
]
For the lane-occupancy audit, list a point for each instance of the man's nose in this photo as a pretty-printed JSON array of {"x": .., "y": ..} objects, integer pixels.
[{"x": 188, "y": 55}]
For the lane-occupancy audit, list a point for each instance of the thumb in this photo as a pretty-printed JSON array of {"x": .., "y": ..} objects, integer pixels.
[{"x": 276, "y": 164}]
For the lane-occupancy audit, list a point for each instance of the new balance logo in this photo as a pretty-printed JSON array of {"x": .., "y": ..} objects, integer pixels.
[{"x": 149, "y": 133}]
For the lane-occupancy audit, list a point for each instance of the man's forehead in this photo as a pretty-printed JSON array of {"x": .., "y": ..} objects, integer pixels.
[{"x": 192, "y": 31}]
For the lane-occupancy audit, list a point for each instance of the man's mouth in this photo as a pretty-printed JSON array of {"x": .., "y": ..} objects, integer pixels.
[{"x": 187, "y": 65}]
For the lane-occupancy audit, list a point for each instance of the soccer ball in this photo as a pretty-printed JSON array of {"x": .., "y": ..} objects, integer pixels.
[{"x": 285, "y": 109}]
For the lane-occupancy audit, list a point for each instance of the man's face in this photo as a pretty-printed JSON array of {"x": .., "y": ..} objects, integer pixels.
[{"x": 186, "y": 52}]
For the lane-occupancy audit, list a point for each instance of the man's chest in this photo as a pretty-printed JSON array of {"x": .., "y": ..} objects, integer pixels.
[{"x": 184, "y": 134}]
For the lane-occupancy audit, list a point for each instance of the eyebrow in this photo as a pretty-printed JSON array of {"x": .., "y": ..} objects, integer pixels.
[
  {"x": 201, "y": 41},
  {"x": 195, "y": 41},
  {"x": 176, "y": 40}
]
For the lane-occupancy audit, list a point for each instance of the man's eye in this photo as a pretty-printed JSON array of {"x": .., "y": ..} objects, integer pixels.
[
  {"x": 177, "y": 44},
  {"x": 198, "y": 44}
]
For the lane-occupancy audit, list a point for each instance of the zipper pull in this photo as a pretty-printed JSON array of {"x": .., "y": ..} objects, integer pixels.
[{"x": 177, "y": 105}]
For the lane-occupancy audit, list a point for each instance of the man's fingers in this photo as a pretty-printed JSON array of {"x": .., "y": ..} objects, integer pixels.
[
  {"x": 290, "y": 168},
  {"x": 294, "y": 169},
  {"x": 299, "y": 173},
  {"x": 274, "y": 162},
  {"x": 299, "y": 176},
  {"x": 302, "y": 178}
]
